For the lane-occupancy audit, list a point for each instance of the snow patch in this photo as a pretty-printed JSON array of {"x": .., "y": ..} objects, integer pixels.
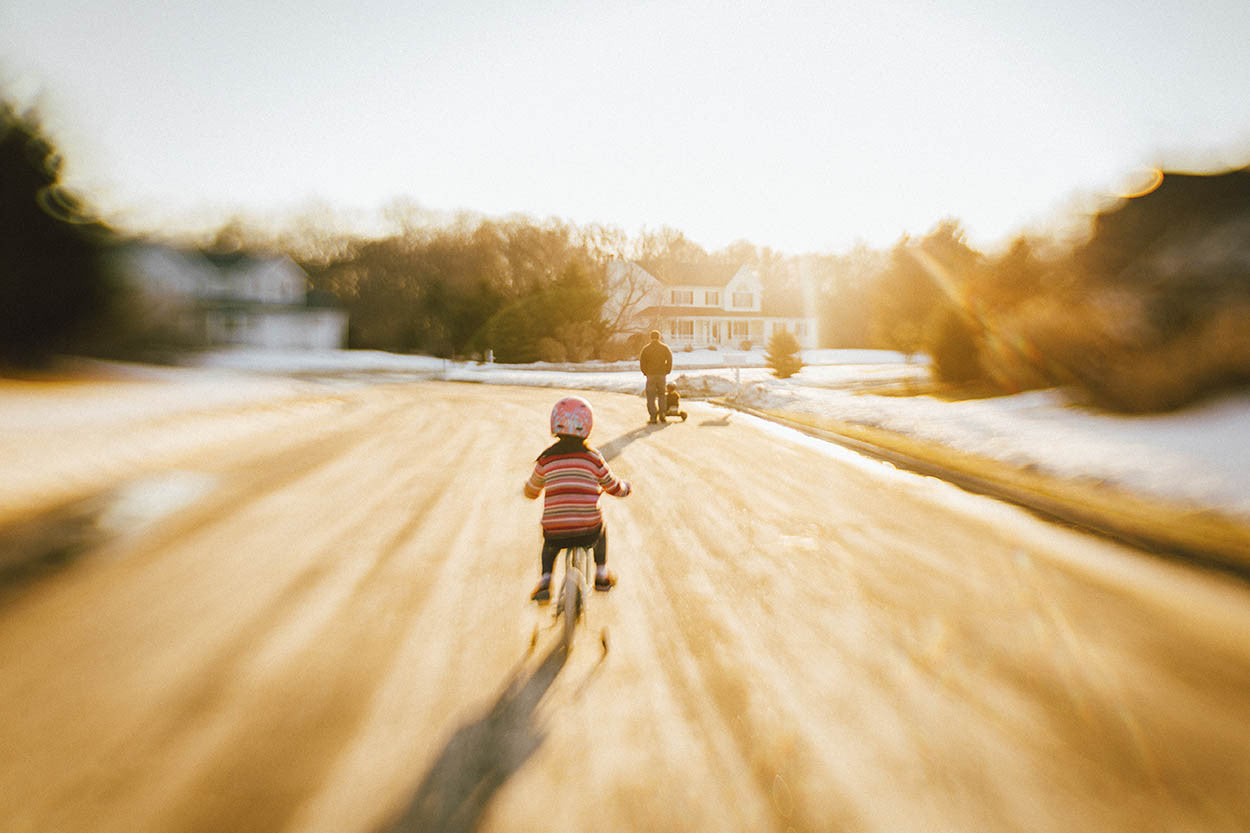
[{"x": 146, "y": 500}]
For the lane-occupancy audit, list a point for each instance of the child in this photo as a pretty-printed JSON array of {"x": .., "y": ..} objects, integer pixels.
[
  {"x": 573, "y": 474},
  {"x": 674, "y": 402}
]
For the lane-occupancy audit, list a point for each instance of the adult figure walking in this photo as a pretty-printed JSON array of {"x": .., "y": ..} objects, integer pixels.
[{"x": 656, "y": 360}]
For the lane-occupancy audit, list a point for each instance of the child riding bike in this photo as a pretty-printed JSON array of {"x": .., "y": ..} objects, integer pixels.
[
  {"x": 673, "y": 398},
  {"x": 573, "y": 475}
]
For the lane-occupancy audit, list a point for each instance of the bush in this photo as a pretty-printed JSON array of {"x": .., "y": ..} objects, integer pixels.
[
  {"x": 1111, "y": 355},
  {"x": 550, "y": 350},
  {"x": 954, "y": 350},
  {"x": 610, "y": 351},
  {"x": 783, "y": 354},
  {"x": 581, "y": 340}
]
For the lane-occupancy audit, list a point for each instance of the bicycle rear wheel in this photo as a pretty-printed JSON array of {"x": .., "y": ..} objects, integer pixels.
[{"x": 572, "y": 606}]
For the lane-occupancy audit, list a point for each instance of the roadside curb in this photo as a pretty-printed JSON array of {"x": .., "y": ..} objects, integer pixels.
[{"x": 1196, "y": 534}]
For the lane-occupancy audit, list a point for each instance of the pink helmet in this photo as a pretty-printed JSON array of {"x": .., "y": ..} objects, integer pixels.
[{"x": 572, "y": 417}]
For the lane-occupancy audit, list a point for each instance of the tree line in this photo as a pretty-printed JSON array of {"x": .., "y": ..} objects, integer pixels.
[
  {"x": 515, "y": 287},
  {"x": 1149, "y": 311}
]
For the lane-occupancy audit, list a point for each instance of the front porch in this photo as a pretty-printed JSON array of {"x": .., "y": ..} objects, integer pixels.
[{"x": 730, "y": 333}]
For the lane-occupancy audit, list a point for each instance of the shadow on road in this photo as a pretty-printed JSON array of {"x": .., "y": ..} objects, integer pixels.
[
  {"x": 481, "y": 757},
  {"x": 49, "y": 541},
  {"x": 616, "y": 445},
  {"x": 723, "y": 422}
]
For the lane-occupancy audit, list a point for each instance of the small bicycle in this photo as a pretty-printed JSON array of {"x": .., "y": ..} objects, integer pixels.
[{"x": 575, "y": 592}]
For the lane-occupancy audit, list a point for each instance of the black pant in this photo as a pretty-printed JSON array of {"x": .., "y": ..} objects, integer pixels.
[{"x": 597, "y": 539}]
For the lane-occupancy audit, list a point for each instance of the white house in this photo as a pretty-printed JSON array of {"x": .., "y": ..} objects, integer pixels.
[
  {"x": 701, "y": 307},
  {"x": 199, "y": 299}
]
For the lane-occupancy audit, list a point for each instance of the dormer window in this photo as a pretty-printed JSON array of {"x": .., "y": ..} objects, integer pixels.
[
  {"x": 744, "y": 299},
  {"x": 683, "y": 297},
  {"x": 712, "y": 298}
]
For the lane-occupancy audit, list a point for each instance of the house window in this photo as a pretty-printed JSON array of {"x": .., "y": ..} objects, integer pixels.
[
  {"x": 712, "y": 298},
  {"x": 800, "y": 328},
  {"x": 683, "y": 296},
  {"x": 682, "y": 329},
  {"x": 740, "y": 329},
  {"x": 744, "y": 299}
]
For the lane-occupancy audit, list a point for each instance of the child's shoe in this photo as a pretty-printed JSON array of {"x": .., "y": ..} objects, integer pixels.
[
  {"x": 542, "y": 591},
  {"x": 605, "y": 579}
]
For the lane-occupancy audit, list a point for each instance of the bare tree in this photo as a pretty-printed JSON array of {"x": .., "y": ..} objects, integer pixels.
[{"x": 629, "y": 291}]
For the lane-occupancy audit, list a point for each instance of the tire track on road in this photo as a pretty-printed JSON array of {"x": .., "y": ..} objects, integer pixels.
[{"x": 336, "y": 663}]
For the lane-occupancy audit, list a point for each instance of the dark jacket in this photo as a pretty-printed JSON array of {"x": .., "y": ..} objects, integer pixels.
[{"x": 656, "y": 359}]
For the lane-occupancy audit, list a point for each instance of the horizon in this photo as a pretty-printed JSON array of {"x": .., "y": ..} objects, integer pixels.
[{"x": 803, "y": 129}]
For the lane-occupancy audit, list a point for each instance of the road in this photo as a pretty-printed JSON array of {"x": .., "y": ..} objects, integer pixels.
[{"x": 314, "y": 616}]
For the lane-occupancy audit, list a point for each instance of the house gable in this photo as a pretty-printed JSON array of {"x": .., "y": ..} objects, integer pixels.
[
  {"x": 745, "y": 291},
  {"x": 275, "y": 280}
]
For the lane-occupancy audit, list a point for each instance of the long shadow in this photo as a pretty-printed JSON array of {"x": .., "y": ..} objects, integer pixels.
[
  {"x": 616, "y": 445},
  {"x": 723, "y": 422},
  {"x": 480, "y": 757}
]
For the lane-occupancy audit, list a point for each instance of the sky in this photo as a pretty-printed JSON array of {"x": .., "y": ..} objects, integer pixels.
[{"x": 801, "y": 126}]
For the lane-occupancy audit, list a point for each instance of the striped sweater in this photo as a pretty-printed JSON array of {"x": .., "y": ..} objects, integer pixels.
[{"x": 573, "y": 478}]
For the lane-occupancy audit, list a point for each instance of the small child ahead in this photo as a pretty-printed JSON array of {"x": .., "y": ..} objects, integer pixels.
[
  {"x": 673, "y": 400},
  {"x": 573, "y": 475}
]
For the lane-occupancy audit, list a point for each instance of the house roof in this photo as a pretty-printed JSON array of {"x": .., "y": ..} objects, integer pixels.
[
  {"x": 227, "y": 259},
  {"x": 782, "y": 305},
  {"x": 230, "y": 261},
  {"x": 692, "y": 274}
]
